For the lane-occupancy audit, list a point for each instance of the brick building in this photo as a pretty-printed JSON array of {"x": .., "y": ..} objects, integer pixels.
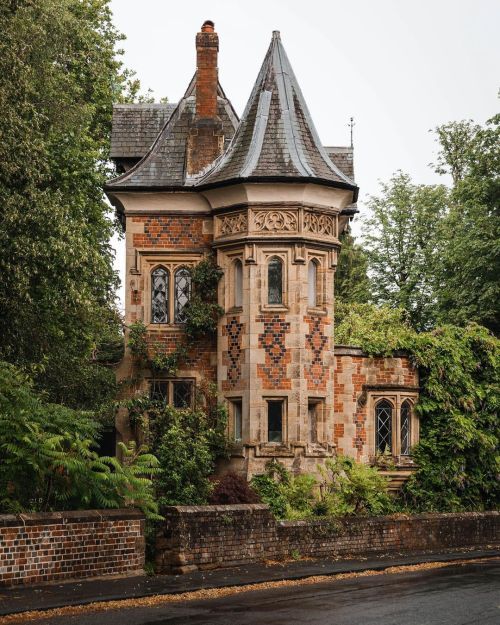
[{"x": 270, "y": 201}]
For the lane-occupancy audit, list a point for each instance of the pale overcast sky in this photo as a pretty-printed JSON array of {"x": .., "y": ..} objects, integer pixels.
[{"x": 398, "y": 67}]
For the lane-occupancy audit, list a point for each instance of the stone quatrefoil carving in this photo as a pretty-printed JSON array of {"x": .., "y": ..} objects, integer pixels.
[
  {"x": 275, "y": 221},
  {"x": 319, "y": 224},
  {"x": 232, "y": 224}
]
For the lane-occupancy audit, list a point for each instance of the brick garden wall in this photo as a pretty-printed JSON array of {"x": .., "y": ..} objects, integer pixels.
[
  {"x": 204, "y": 537},
  {"x": 43, "y": 547}
]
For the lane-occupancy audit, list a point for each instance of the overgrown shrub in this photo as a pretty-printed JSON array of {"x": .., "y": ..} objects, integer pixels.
[
  {"x": 457, "y": 457},
  {"x": 352, "y": 488},
  {"x": 49, "y": 462},
  {"x": 232, "y": 488}
]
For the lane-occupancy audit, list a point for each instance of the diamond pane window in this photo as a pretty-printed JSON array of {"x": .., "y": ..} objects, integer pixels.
[
  {"x": 405, "y": 428},
  {"x": 159, "y": 391},
  {"x": 159, "y": 295},
  {"x": 275, "y": 281},
  {"x": 182, "y": 293},
  {"x": 383, "y": 420},
  {"x": 182, "y": 394}
]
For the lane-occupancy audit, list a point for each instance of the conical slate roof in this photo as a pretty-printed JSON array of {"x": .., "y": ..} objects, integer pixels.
[{"x": 276, "y": 137}]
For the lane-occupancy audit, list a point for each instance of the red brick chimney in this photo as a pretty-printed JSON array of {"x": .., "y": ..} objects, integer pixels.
[{"x": 206, "y": 140}]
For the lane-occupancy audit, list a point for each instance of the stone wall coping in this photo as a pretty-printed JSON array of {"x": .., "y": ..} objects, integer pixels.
[
  {"x": 70, "y": 516},
  {"x": 353, "y": 350},
  {"x": 242, "y": 507},
  {"x": 428, "y": 516}
]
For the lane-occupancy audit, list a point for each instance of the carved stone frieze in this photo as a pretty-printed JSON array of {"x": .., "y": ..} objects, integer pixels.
[
  {"x": 319, "y": 223},
  {"x": 275, "y": 221},
  {"x": 233, "y": 223}
]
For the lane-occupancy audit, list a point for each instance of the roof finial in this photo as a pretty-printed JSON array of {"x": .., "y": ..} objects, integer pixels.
[
  {"x": 351, "y": 125},
  {"x": 208, "y": 26},
  {"x": 276, "y": 34}
]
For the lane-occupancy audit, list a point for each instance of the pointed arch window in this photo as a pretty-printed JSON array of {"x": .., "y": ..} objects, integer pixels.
[
  {"x": 159, "y": 295},
  {"x": 312, "y": 283},
  {"x": 182, "y": 293},
  {"x": 275, "y": 281},
  {"x": 405, "y": 427},
  {"x": 383, "y": 424},
  {"x": 238, "y": 283}
]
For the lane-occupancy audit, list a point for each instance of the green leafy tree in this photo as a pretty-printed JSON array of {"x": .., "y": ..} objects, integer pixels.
[
  {"x": 351, "y": 277},
  {"x": 49, "y": 459},
  {"x": 60, "y": 75},
  {"x": 400, "y": 240},
  {"x": 469, "y": 251},
  {"x": 457, "y": 457}
]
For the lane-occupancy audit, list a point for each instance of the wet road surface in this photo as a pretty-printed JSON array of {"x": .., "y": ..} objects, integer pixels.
[{"x": 458, "y": 595}]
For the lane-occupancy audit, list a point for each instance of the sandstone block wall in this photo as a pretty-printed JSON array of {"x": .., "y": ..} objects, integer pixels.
[
  {"x": 45, "y": 547},
  {"x": 204, "y": 537}
]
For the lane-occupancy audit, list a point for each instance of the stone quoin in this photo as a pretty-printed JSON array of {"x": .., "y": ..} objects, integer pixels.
[{"x": 266, "y": 197}]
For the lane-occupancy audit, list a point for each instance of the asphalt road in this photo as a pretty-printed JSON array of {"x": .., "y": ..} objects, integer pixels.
[{"x": 459, "y": 595}]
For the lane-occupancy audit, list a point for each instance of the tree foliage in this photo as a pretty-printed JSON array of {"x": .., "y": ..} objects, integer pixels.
[
  {"x": 49, "y": 462},
  {"x": 60, "y": 75},
  {"x": 469, "y": 242},
  {"x": 457, "y": 457},
  {"x": 400, "y": 239},
  {"x": 351, "y": 277}
]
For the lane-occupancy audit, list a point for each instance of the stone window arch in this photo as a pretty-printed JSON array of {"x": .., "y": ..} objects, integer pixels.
[
  {"x": 237, "y": 283},
  {"x": 160, "y": 281},
  {"x": 182, "y": 293},
  {"x": 384, "y": 411},
  {"x": 275, "y": 281},
  {"x": 405, "y": 427}
]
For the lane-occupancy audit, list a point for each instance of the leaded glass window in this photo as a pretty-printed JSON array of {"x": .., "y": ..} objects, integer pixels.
[
  {"x": 182, "y": 394},
  {"x": 182, "y": 293},
  {"x": 405, "y": 428},
  {"x": 383, "y": 420},
  {"x": 159, "y": 391},
  {"x": 238, "y": 283},
  {"x": 275, "y": 281},
  {"x": 312, "y": 283},
  {"x": 159, "y": 295}
]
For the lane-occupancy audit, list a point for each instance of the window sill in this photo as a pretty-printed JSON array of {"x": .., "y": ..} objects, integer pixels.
[
  {"x": 234, "y": 309},
  {"x": 319, "y": 312},
  {"x": 274, "y": 308}
]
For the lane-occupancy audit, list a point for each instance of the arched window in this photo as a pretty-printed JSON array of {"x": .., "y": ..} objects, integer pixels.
[
  {"x": 182, "y": 293},
  {"x": 405, "y": 427},
  {"x": 312, "y": 282},
  {"x": 275, "y": 281},
  {"x": 159, "y": 295},
  {"x": 238, "y": 283},
  {"x": 383, "y": 424}
]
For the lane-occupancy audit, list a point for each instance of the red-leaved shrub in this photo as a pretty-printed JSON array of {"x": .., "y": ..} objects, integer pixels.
[{"x": 231, "y": 488}]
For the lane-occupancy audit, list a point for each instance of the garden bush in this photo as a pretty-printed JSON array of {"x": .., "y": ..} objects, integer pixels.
[{"x": 232, "y": 488}]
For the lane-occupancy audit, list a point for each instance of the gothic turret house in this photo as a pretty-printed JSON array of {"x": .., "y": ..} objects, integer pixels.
[{"x": 269, "y": 200}]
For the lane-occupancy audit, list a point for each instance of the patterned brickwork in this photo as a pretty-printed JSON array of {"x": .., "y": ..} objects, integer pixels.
[
  {"x": 317, "y": 372},
  {"x": 200, "y": 358},
  {"x": 167, "y": 231},
  {"x": 232, "y": 358},
  {"x": 273, "y": 373},
  {"x": 55, "y": 546}
]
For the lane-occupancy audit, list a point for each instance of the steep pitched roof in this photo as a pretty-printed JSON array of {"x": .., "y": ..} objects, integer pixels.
[
  {"x": 163, "y": 166},
  {"x": 136, "y": 126},
  {"x": 276, "y": 137}
]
